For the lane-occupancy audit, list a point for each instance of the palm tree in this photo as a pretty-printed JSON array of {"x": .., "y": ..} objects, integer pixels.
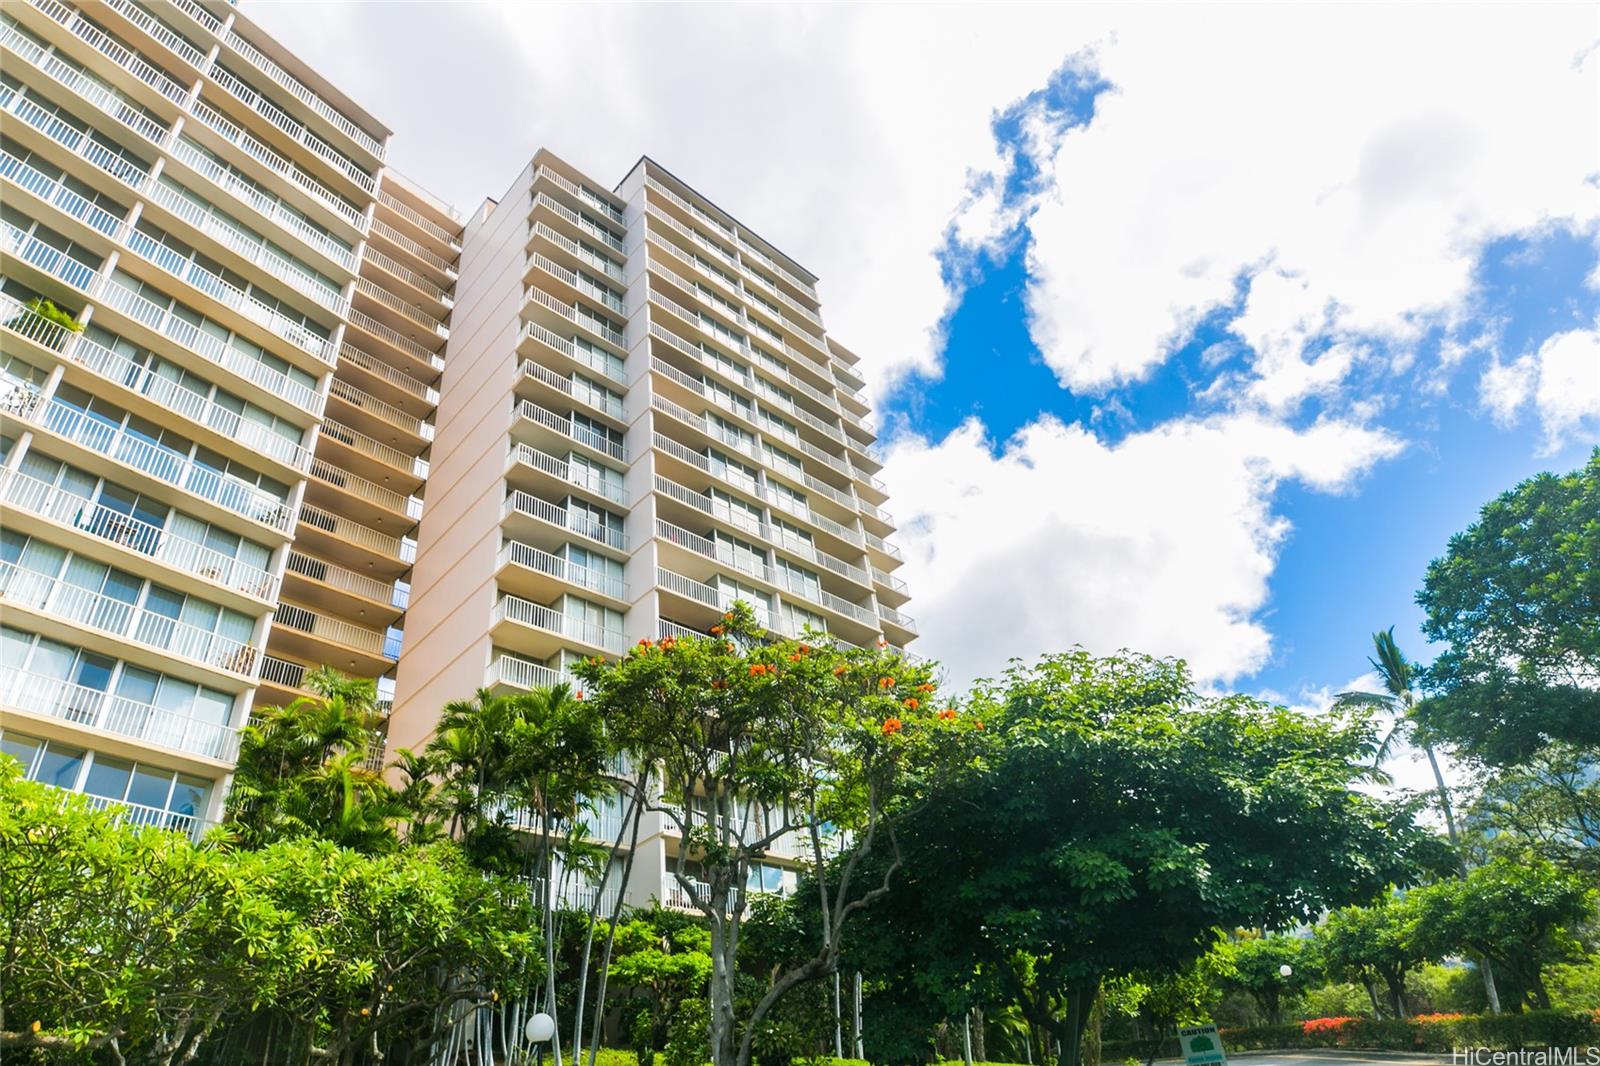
[{"x": 1398, "y": 700}]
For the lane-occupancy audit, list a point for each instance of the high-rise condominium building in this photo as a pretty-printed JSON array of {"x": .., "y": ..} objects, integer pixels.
[{"x": 237, "y": 357}]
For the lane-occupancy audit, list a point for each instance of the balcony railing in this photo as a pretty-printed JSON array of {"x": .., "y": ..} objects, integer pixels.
[
  {"x": 562, "y": 470},
  {"x": 428, "y": 226},
  {"x": 883, "y": 546},
  {"x": 519, "y": 554},
  {"x": 394, "y": 338},
  {"x": 573, "y": 520},
  {"x": 889, "y": 581},
  {"x": 361, "y": 488},
  {"x": 293, "y": 128},
  {"x": 386, "y": 412},
  {"x": 164, "y": 465},
  {"x": 399, "y": 548},
  {"x": 52, "y": 261},
  {"x": 94, "y": 709},
  {"x": 282, "y": 673},
  {"x": 430, "y": 258},
  {"x": 904, "y": 621},
  {"x": 53, "y": 192},
  {"x": 372, "y": 290},
  {"x": 58, "y": 505},
  {"x": 72, "y": 139},
  {"x": 122, "y": 57},
  {"x": 369, "y": 588},
  {"x": 579, "y": 252},
  {"x": 538, "y": 616},
  {"x": 398, "y": 378},
  {"x": 406, "y": 274},
  {"x": 173, "y": 43},
  {"x": 335, "y": 118},
  {"x": 577, "y": 315},
  {"x": 336, "y": 631},
  {"x": 187, "y": 335},
  {"x": 97, "y": 94},
  {"x": 719, "y": 551},
  {"x": 519, "y": 673},
  {"x": 138, "y": 814},
  {"x": 572, "y": 350},
  {"x": 31, "y": 590},
  {"x": 599, "y": 400},
  {"x": 571, "y": 429},
  {"x": 375, "y": 449},
  {"x": 579, "y": 192}
]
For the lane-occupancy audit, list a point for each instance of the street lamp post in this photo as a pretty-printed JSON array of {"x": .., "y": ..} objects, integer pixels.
[{"x": 541, "y": 1028}]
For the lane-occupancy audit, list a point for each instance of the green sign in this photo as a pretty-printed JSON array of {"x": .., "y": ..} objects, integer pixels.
[{"x": 1202, "y": 1046}]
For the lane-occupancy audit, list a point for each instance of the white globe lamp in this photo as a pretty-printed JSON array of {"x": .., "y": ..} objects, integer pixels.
[
  {"x": 1285, "y": 970},
  {"x": 540, "y": 1028}
]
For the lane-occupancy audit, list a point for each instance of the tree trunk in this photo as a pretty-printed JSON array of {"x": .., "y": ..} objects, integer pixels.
[
  {"x": 1490, "y": 991},
  {"x": 724, "y": 1039}
]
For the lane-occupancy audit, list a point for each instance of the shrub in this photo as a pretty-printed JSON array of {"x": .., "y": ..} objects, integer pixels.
[
  {"x": 1323, "y": 1025},
  {"x": 47, "y": 310},
  {"x": 1437, "y": 1033}
]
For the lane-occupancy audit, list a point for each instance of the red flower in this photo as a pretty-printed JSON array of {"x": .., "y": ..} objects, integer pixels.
[
  {"x": 978, "y": 725},
  {"x": 761, "y": 670},
  {"x": 840, "y": 671},
  {"x": 805, "y": 649},
  {"x": 728, "y": 617},
  {"x": 716, "y": 631},
  {"x": 948, "y": 715},
  {"x": 730, "y": 647},
  {"x": 796, "y": 657},
  {"x": 719, "y": 684},
  {"x": 911, "y": 703},
  {"x": 644, "y": 643},
  {"x": 886, "y": 682},
  {"x": 882, "y": 643},
  {"x": 580, "y": 694},
  {"x": 925, "y": 688},
  {"x": 891, "y": 726}
]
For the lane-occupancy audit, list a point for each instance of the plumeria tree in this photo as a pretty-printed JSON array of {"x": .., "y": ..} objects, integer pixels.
[{"x": 758, "y": 745}]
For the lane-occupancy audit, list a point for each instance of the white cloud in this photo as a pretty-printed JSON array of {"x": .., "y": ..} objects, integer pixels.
[
  {"x": 1162, "y": 543},
  {"x": 1562, "y": 381},
  {"x": 1351, "y": 160}
]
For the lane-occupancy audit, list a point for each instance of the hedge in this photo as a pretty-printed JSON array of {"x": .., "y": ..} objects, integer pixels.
[{"x": 1506, "y": 1032}]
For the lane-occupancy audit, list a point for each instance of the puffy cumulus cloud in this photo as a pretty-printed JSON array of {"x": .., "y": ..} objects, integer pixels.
[
  {"x": 848, "y": 135},
  {"x": 1561, "y": 380},
  {"x": 1163, "y": 542},
  {"x": 1342, "y": 166}
]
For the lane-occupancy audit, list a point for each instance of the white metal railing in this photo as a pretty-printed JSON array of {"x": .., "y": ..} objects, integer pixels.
[
  {"x": 516, "y": 553},
  {"x": 109, "y": 713},
  {"x": 401, "y": 548},
  {"x": 372, "y": 290},
  {"x": 398, "y": 378},
  {"x": 229, "y": 295},
  {"x": 433, "y": 260},
  {"x": 34, "y": 591},
  {"x": 316, "y": 103},
  {"x": 572, "y": 350},
  {"x": 665, "y": 629},
  {"x": 370, "y": 588},
  {"x": 199, "y": 14},
  {"x": 562, "y": 470},
  {"x": 573, "y": 218},
  {"x": 282, "y": 673},
  {"x": 570, "y": 429},
  {"x": 326, "y": 472},
  {"x": 144, "y": 816},
  {"x": 266, "y": 205},
  {"x": 580, "y": 192},
  {"x": 335, "y": 630},
  {"x": 78, "y": 512},
  {"x": 177, "y": 45},
  {"x": 519, "y": 673},
  {"x": 54, "y": 193},
  {"x": 390, "y": 456},
  {"x": 231, "y": 132},
  {"x": 884, "y": 546},
  {"x": 292, "y": 128},
  {"x": 579, "y": 252},
  {"x": 85, "y": 86},
  {"x": 602, "y": 401},
  {"x": 73, "y": 139},
  {"x": 889, "y": 581},
  {"x": 163, "y": 320},
  {"x": 538, "y": 616},
  {"x": 577, "y": 315},
  {"x": 734, "y": 516},
  {"x": 386, "y": 412},
  {"x": 52, "y": 261},
  {"x": 414, "y": 217},
  {"x": 407, "y": 275},
  {"x": 368, "y": 324},
  {"x": 904, "y": 621},
  {"x": 121, "y": 56},
  {"x": 572, "y": 520},
  {"x": 719, "y": 551},
  {"x": 165, "y": 465}
]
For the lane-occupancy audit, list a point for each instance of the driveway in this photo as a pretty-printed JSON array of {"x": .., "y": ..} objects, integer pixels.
[{"x": 1322, "y": 1057}]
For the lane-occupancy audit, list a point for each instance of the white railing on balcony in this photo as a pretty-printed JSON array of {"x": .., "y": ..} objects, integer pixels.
[
  {"x": 165, "y": 465},
  {"x": 334, "y": 630},
  {"x": 665, "y": 629},
  {"x": 154, "y": 29},
  {"x": 519, "y": 673},
  {"x": 884, "y": 546},
  {"x": 231, "y": 132},
  {"x": 398, "y": 378},
  {"x": 398, "y": 340},
  {"x": 574, "y": 521},
  {"x": 538, "y": 616},
  {"x": 52, "y": 261},
  {"x": 174, "y": 397},
  {"x": 90, "y": 89},
  {"x": 199, "y": 14},
  {"x": 720, "y": 551},
  {"x": 401, "y": 548},
  {"x": 292, "y": 128},
  {"x": 737, "y": 517},
  {"x": 572, "y": 350},
  {"x": 162, "y": 320},
  {"x": 268, "y": 207},
  {"x": 516, "y": 553},
  {"x": 416, "y": 218},
  {"x": 580, "y": 192},
  {"x": 904, "y": 621},
  {"x": 78, "y": 512},
  {"x": 430, "y": 258},
  {"x": 372, "y": 290},
  {"x": 14, "y": 171},
  {"x": 406, "y": 274},
  {"x": 72, "y": 139},
  {"x": 120, "y": 56},
  {"x": 889, "y": 581},
  {"x": 369, "y": 588},
  {"x": 577, "y": 315},
  {"x": 138, "y": 814},
  {"x": 390, "y": 456},
  {"x": 578, "y": 251},
  {"x": 360, "y": 487},
  {"x": 603, "y": 402},
  {"x": 282, "y": 673},
  {"x": 387, "y": 412},
  {"x": 570, "y": 429},
  {"x": 252, "y": 55},
  {"x": 599, "y": 233},
  {"x": 562, "y": 470},
  {"x": 108, "y": 713},
  {"x": 229, "y": 295},
  {"x": 34, "y": 591}
]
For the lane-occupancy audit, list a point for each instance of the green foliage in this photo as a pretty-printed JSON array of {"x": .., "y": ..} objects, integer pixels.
[
  {"x": 46, "y": 309},
  {"x": 1518, "y": 914},
  {"x": 140, "y": 938},
  {"x": 1338, "y": 1000},
  {"x": 1549, "y": 805},
  {"x": 1574, "y": 986},
  {"x": 1254, "y": 965},
  {"x": 1515, "y": 598},
  {"x": 660, "y": 960},
  {"x": 1503, "y": 1032},
  {"x": 1377, "y": 946}
]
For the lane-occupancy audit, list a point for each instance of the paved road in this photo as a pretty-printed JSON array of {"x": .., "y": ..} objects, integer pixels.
[{"x": 1327, "y": 1058}]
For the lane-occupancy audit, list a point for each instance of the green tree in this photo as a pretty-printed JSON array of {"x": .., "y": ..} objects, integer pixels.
[
  {"x": 1375, "y": 945},
  {"x": 1114, "y": 819},
  {"x": 758, "y": 740},
  {"x": 1548, "y": 804},
  {"x": 1517, "y": 912},
  {"x": 661, "y": 960},
  {"x": 1515, "y": 600},
  {"x": 1254, "y": 965}
]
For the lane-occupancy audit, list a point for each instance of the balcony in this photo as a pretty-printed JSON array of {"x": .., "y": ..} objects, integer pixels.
[
  {"x": 404, "y": 311},
  {"x": 86, "y": 88},
  {"x": 568, "y": 429},
  {"x": 96, "y": 220},
  {"x": 726, "y": 439},
  {"x": 545, "y": 203},
  {"x": 339, "y": 588},
  {"x": 576, "y": 284},
  {"x": 83, "y": 517},
  {"x": 137, "y": 814},
  {"x": 382, "y": 371},
  {"x": 581, "y": 193},
  {"x": 884, "y": 548},
  {"x": 110, "y": 54},
  {"x": 529, "y": 571},
  {"x": 164, "y": 465},
  {"x": 391, "y": 416},
  {"x": 520, "y": 503},
  {"x": 323, "y": 638},
  {"x": 121, "y": 622},
  {"x": 395, "y": 339},
  {"x": 577, "y": 255},
  {"x": 396, "y": 553},
  {"x": 429, "y": 258},
  {"x": 357, "y": 136},
  {"x": 408, "y": 277},
  {"x": 281, "y": 680},
  {"x": 380, "y": 502},
  {"x": 52, "y": 262},
  {"x": 258, "y": 378},
  {"x": 293, "y": 130},
  {"x": 412, "y": 468},
  {"x": 902, "y": 622},
  {"x": 103, "y": 712},
  {"x": 721, "y": 553},
  {"x": 534, "y": 335},
  {"x": 606, "y": 404},
  {"x": 557, "y": 310},
  {"x": 549, "y": 465},
  {"x": 518, "y": 673},
  {"x": 523, "y": 625},
  {"x": 75, "y": 141},
  {"x": 432, "y": 230}
]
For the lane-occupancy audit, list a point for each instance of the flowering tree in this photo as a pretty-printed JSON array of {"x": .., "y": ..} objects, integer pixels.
[{"x": 762, "y": 745}]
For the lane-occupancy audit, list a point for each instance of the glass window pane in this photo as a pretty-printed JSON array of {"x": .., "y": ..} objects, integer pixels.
[
  {"x": 150, "y": 787},
  {"x": 108, "y": 777},
  {"x": 59, "y": 766},
  {"x": 21, "y": 748}
]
